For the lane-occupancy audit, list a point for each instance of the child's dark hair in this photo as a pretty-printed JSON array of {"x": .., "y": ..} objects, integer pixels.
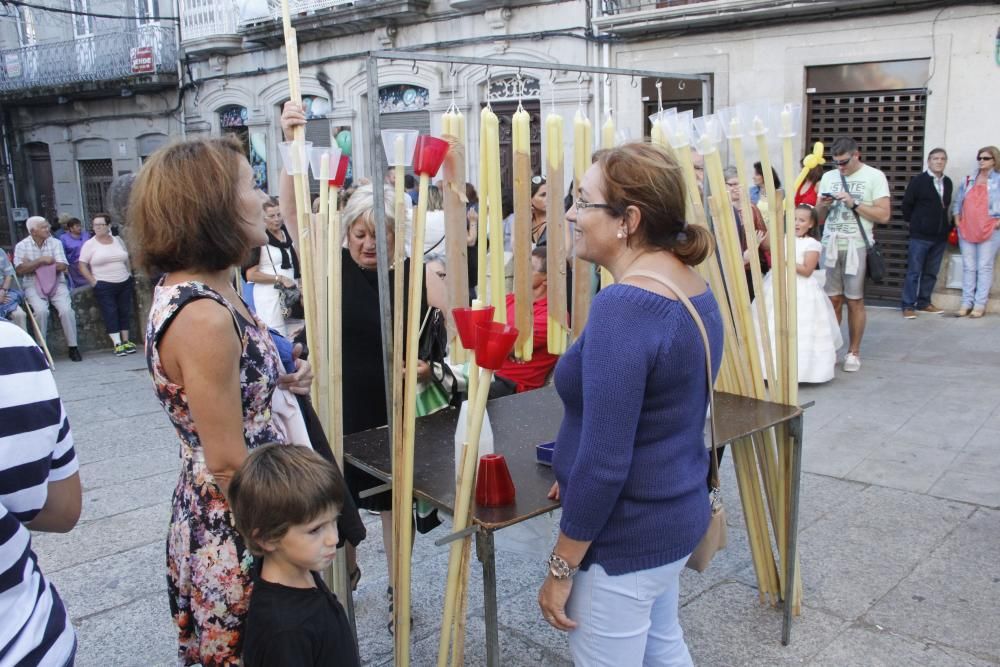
[
  {"x": 280, "y": 486},
  {"x": 814, "y": 217}
]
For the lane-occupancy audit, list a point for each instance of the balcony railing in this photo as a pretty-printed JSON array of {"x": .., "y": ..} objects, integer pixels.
[
  {"x": 611, "y": 7},
  {"x": 145, "y": 51},
  {"x": 262, "y": 10},
  {"x": 207, "y": 19}
]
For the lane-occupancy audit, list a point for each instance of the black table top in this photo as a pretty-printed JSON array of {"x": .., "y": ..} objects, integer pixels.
[{"x": 519, "y": 423}]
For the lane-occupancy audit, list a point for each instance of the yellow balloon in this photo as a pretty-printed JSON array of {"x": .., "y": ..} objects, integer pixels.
[{"x": 818, "y": 151}]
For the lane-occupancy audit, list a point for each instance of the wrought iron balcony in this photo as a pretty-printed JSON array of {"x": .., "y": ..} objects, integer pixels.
[
  {"x": 219, "y": 26},
  {"x": 145, "y": 56},
  {"x": 266, "y": 10},
  {"x": 611, "y": 7}
]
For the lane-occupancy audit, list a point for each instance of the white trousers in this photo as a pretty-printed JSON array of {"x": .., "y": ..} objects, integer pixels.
[
  {"x": 40, "y": 306},
  {"x": 627, "y": 620}
]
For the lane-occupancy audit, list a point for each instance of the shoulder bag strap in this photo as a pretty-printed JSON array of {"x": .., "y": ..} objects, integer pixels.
[
  {"x": 857, "y": 218},
  {"x": 682, "y": 297}
]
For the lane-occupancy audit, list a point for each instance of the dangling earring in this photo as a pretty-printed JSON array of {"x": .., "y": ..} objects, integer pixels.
[{"x": 620, "y": 234}]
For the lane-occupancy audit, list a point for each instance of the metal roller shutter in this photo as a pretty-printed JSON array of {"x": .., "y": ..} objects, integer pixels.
[{"x": 889, "y": 129}]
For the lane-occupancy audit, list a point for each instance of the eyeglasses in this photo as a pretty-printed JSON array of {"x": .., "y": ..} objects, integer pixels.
[
  {"x": 843, "y": 163},
  {"x": 732, "y": 186},
  {"x": 584, "y": 205},
  {"x": 984, "y": 158}
]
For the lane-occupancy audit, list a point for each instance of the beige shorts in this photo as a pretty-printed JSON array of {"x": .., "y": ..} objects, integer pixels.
[{"x": 839, "y": 284}]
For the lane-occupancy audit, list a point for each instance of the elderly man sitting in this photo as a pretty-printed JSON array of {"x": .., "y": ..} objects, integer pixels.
[{"x": 41, "y": 261}]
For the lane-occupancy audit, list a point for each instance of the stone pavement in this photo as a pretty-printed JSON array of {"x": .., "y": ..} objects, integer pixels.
[{"x": 900, "y": 525}]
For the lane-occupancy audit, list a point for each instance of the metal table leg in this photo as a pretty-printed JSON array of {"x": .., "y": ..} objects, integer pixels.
[
  {"x": 795, "y": 430},
  {"x": 487, "y": 556}
]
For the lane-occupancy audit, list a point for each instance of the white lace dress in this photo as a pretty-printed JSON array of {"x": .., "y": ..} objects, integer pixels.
[{"x": 819, "y": 334}]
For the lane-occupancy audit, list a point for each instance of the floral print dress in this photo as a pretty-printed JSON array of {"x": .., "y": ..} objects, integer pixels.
[{"x": 208, "y": 565}]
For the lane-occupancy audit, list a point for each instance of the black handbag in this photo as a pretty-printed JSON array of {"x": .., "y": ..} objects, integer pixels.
[{"x": 874, "y": 261}]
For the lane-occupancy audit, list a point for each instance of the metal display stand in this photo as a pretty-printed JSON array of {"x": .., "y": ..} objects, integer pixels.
[
  {"x": 522, "y": 421},
  {"x": 377, "y": 173}
]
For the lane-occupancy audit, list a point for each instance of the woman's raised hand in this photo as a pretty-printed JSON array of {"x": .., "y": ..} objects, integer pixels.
[{"x": 291, "y": 117}]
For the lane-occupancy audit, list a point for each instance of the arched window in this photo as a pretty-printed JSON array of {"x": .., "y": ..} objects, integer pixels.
[{"x": 233, "y": 120}]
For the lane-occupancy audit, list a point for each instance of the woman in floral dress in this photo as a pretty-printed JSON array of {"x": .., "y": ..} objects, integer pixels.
[{"x": 214, "y": 369}]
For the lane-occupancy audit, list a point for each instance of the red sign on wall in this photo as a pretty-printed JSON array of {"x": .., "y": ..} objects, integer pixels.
[{"x": 142, "y": 60}]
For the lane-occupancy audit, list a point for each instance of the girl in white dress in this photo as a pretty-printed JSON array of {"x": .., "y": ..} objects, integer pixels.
[{"x": 819, "y": 334}]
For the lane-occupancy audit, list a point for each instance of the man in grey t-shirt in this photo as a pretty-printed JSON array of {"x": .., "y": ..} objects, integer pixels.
[{"x": 867, "y": 195}]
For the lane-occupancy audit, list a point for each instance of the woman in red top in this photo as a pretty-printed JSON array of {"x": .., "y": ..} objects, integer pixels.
[
  {"x": 808, "y": 192},
  {"x": 977, "y": 217}
]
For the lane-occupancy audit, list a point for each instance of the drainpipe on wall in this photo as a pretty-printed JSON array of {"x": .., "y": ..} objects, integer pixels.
[
  {"x": 180, "y": 68},
  {"x": 9, "y": 191}
]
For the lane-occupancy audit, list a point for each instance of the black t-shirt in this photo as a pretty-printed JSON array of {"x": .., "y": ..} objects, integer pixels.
[{"x": 295, "y": 627}]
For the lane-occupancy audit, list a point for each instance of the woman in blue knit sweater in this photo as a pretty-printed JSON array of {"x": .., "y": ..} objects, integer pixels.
[{"x": 630, "y": 459}]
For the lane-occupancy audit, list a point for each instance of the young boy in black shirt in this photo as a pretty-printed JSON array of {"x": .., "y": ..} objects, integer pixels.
[{"x": 285, "y": 501}]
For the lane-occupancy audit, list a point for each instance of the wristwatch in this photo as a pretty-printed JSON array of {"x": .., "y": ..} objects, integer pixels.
[{"x": 559, "y": 568}]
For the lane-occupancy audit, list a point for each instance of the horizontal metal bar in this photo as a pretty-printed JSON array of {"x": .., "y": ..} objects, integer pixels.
[
  {"x": 807, "y": 405},
  {"x": 375, "y": 490},
  {"x": 528, "y": 64},
  {"x": 460, "y": 535}
]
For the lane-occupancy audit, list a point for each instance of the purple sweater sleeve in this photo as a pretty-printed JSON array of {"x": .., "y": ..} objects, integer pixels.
[{"x": 616, "y": 361}]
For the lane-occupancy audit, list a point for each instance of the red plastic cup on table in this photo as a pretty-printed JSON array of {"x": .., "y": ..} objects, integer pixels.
[
  {"x": 429, "y": 154},
  {"x": 339, "y": 175},
  {"x": 494, "y": 486},
  {"x": 466, "y": 321},
  {"x": 494, "y": 341}
]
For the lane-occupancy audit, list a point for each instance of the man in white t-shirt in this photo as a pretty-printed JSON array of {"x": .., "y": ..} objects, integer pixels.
[{"x": 867, "y": 195}]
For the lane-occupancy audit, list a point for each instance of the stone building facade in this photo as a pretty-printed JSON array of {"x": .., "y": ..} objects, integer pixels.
[{"x": 901, "y": 76}]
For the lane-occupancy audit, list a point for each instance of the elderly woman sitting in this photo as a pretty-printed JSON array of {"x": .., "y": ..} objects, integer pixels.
[{"x": 10, "y": 297}]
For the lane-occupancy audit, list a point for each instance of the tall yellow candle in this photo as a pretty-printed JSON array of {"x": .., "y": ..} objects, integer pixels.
[
  {"x": 521, "y": 140},
  {"x": 556, "y": 246},
  {"x": 582, "y": 270},
  {"x": 607, "y": 141},
  {"x": 608, "y": 133},
  {"x": 482, "y": 289},
  {"x": 495, "y": 221}
]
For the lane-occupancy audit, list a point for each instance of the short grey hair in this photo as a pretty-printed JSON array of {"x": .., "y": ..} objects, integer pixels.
[
  {"x": 34, "y": 222},
  {"x": 360, "y": 207},
  {"x": 730, "y": 172}
]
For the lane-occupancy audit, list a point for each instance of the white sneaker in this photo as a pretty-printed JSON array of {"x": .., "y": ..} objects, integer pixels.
[{"x": 852, "y": 362}]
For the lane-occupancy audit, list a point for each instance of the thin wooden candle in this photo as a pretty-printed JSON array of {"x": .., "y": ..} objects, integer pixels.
[
  {"x": 456, "y": 221},
  {"x": 403, "y": 482}
]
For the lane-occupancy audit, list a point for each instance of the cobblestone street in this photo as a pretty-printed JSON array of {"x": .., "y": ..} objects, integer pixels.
[{"x": 900, "y": 525}]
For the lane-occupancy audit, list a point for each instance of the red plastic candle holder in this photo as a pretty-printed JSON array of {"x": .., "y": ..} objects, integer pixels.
[
  {"x": 340, "y": 175},
  {"x": 428, "y": 155},
  {"x": 494, "y": 486},
  {"x": 494, "y": 341},
  {"x": 466, "y": 321}
]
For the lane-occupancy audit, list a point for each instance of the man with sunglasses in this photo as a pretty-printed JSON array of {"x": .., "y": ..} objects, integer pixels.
[{"x": 850, "y": 193}]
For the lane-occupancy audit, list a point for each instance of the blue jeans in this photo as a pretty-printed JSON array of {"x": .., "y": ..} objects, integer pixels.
[
  {"x": 115, "y": 302},
  {"x": 627, "y": 620},
  {"x": 922, "y": 265},
  {"x": 977, "y": 270}
]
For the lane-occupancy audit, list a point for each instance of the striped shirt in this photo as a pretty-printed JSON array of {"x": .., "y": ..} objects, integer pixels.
[{"x": 36, "y": 447}]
